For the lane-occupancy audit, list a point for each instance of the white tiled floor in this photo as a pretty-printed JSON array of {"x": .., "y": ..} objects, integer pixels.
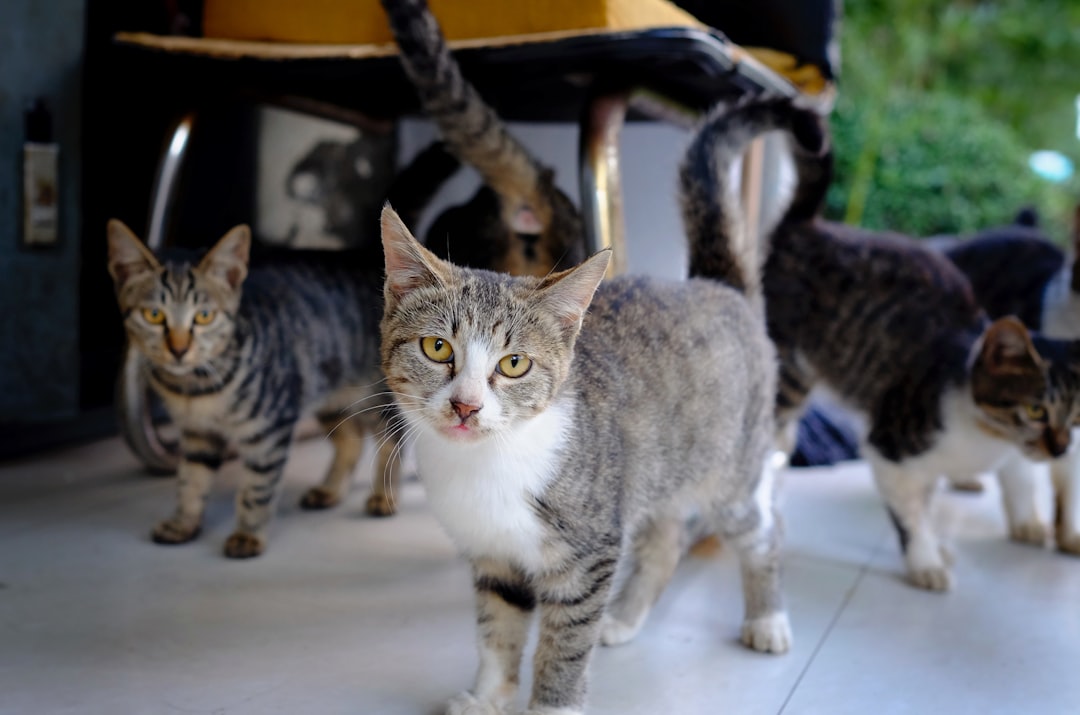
[{"x": 346, "y": 614}]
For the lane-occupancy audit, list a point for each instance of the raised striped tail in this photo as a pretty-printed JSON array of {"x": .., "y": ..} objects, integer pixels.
[
  {"x": 471, "y": 129},
  {"x": 715, "y": 226}
]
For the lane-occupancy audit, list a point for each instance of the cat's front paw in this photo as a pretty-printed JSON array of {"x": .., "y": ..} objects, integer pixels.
[
  {"x": 467, "y": 704},
  {"x": 1031, "y": 532},
  {"x": 175, "y": 531},
  {"x": 553, "y": 711},
  {"x": 1068, "y": 543},
  {"x": 613, "y": 631},
  {"x": 937, "y": 578},
  {"x": 767, "y": 634},
  {"x": 319, "y": 498},
  {"x": 380, "y": 505},
  {"x": 242, "y": 545},
  {"x": 971, "y": 485}
]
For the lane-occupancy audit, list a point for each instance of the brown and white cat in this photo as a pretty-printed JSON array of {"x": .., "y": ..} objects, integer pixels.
[
  {"x": 238, "y": 356},
  {"x": 565, "y": 431},
  {"x": 1008, "y": 271},
  {"x": 893, "y": 330},
  {"x": 519, "y": 222}
]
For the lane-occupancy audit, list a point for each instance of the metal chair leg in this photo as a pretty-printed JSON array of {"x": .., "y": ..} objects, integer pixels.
[
  {"x": 601, "y": 190},
  {"x": 134, "y": 399},
  {"x": 168, "y": 173}
]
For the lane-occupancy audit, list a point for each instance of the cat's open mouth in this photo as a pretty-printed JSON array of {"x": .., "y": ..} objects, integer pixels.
[{"x": 462, "y": 432}]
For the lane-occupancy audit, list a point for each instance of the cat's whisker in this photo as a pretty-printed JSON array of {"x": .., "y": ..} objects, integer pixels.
[
  {"x": 372, "y": 396},
  {"x": 387, "y": 476}
]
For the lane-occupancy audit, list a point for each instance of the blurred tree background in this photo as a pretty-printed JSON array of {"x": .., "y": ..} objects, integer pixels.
[{"x": 941, "y": 104}]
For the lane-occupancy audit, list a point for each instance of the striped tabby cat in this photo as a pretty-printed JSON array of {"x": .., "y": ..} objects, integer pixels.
[
  {"x": 564, "y": 433},
  {"x": 892, "y": 329},
  {"x": 238, "y": 357},
  {"x": 519, "y": 222}
]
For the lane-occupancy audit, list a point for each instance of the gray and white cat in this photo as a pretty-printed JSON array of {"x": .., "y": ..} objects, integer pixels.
[
  {"x": 238, "y": 356},
  {"x": 893, "y": 330},
  {"x": 566, "y": 430}
]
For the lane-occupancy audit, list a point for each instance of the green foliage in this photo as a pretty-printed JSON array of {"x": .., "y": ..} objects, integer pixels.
[
  {"x": 941, "y": 103},
  {"x": 927, "y": 164}
]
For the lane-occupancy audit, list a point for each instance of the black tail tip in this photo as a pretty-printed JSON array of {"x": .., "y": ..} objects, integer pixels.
[
  {"x": 1027, "y": 216},
  {"x": 808, "y": 130}
]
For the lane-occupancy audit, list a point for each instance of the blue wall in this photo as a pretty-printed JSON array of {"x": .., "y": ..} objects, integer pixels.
[{"x": 41, "y": 50}]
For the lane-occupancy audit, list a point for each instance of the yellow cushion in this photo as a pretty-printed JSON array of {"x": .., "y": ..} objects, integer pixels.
[{"x": 364, "y": 22}]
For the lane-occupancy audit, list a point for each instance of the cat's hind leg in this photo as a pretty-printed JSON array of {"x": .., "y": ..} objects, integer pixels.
[
  {"x": 1066, "y": 476},
  {"x": 795, "y": 381},
  {"x": 908, "y": 495},
  {"x": 753, "y": 528},
  {"x": 385, "y": 480},
  {"x": 201, "y": 456},
  {"x": 655, "y": 554},
  {"x": 1019, "y": 478},
  {"x": 347, "y": 436}
]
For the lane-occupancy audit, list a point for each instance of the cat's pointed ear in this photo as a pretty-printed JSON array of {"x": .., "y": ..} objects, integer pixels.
[
  {"x": 408, "y": 264},
  {"x": 228, "y": 259},
  {"x": 1007, "y": 348},
  {"x": 569, "y": 293},
  {"x": 128, "y": 256}
]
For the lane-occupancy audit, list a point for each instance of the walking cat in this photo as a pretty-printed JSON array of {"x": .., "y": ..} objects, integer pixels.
[
  {"x": 1021, "y": 272},
  {"x": 238, "y": 356},
  {"x": 519, "y": 222},
  {"x": 893, "y": 330},
  {"x": 565, "y": 431}
]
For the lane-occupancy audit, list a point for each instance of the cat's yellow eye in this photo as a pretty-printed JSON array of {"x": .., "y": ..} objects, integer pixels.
[
  {"x": 205, "y": 317},
  {"x": 1035, "y": 412},
  {"x": 154, "y": 316},
  {"x": 514, "y": 365},
  {"x": 437, "y": 349}
]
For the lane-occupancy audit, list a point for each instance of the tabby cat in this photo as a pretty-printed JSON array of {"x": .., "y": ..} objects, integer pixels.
[
  {"x": 519, "y": 222},
  {"x": 238, "y": 356},
  {"x": 892, "y": 329},
  {"x": 565, "y": 433}
]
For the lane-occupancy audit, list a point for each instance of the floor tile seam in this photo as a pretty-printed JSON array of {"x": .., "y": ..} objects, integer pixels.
[{"x": 860, "y": 575}]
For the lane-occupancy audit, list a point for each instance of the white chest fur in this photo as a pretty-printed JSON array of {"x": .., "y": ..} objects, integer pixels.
[
  {"x": 481, "y": 492},
  {"x": 963, "y": 449}
]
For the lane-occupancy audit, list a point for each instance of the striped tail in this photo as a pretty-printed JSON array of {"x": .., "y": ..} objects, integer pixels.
[
  {"x": 471, "y": 129},
  {"x": 719, "y": 245}
]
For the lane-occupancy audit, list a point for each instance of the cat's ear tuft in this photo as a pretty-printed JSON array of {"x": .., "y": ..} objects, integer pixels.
[
  {"x": 128, "y": 256},
  {"x": 228, "y": 259},
  {"x": 568, "y": 294},
  {"x": 408, "y": 264},
  {"x": 1007, "y": 348}
]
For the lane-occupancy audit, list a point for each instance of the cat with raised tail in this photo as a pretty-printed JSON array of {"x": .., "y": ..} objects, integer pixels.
[
  {"x": 238, "y": 354},
  {"x": 567, "y": 430},
  {"x": 519, "y": 222},
  {"x": 892, "y": 330}
]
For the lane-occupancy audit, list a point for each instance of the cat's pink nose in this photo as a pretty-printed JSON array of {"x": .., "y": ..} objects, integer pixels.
[{"x": 464, "y": 410}]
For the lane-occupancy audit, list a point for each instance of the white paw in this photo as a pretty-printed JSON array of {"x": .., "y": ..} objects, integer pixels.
[
  {"x": 1031, "y": 532},
  {"x": 552, "y": 711},
  {"x": 768, "y": 634},
  {"x": 1068, "y": 543},
  {"x": 615, "y": 632},
  {"x": 937, "y": 578},
  {"x": 971, "y": 485},
  {"x": 467, "y": 704}
]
